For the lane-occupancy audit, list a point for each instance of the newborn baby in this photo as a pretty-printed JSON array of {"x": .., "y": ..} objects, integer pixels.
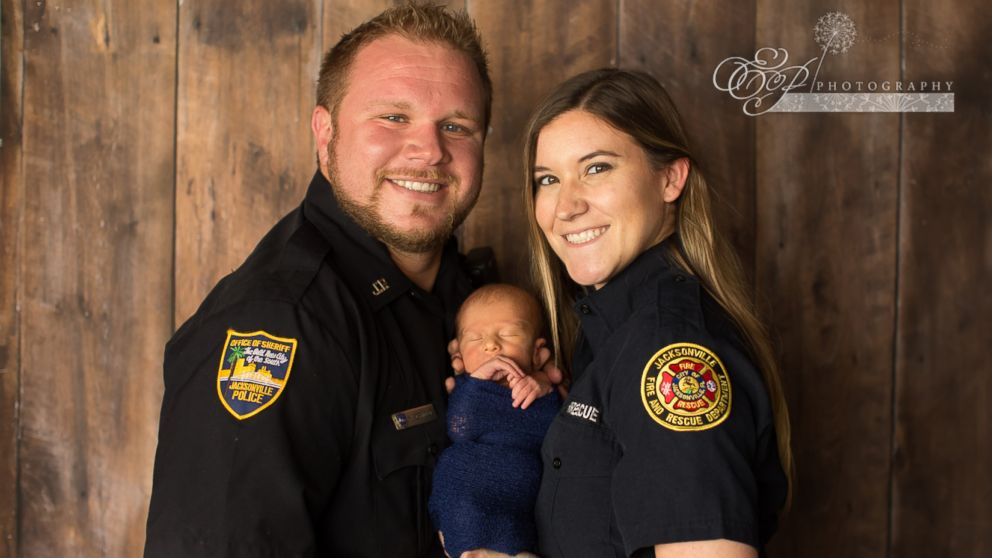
[{"x": 486, "y": 483}]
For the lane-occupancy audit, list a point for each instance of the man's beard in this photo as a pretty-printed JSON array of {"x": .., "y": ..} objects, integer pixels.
[{"x": 367, "y": 215}]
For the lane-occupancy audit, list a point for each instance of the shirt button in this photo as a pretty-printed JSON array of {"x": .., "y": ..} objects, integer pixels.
[
  {"x": 679, "y": 278},
  {"x": 432, "y": 449},
  {"x": 585, "y": 309},
  {"x": 556, "y": 463}
]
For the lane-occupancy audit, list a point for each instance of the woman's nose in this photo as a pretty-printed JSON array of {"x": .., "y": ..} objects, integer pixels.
[
  {"x": 570, "y": 202},
  {"x": 425, "y": 145}
]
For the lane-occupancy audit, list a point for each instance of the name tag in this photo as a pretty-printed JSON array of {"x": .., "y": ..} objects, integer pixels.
[
  {"x": 583, "y": 411},
  {"x": 414, "y": 417}
]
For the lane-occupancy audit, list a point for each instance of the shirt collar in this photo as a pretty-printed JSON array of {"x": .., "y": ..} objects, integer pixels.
[
  {"x": 364, "y": 261},
  {"x": 602, "y": 311}
]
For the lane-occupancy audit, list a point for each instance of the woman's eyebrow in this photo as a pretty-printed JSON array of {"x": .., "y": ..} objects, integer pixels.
[
  {"x": 584, "y": 158},
  {"x": 597, "y": 154}
]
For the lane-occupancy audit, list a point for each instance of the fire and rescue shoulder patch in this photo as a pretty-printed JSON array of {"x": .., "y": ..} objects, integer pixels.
[
  {"x": 254, "y": 368},
  {"x": 685, "y": 387}
]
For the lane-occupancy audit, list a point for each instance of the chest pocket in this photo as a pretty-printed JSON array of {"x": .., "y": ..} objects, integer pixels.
[
  {"x": 404, "y": 463},
  {"x": 575, "y": 504},
  {"x": 414, "y": 446}
]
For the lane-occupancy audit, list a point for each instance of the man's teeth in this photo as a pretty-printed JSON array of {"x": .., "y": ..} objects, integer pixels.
[
  {"x": 418, "y": 186},
  {"x": 584, "y": 236}
]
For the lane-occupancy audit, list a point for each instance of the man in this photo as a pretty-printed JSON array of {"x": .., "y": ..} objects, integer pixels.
[{"x": 304, "y": 400}]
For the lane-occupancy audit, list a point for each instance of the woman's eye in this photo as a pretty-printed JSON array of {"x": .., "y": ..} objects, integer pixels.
[
  {"x": 597, "y": 168},
  {"x": 545, "y": 180}
]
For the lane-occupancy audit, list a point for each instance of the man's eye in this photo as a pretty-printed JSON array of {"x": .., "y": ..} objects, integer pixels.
[
  {"x": 597, "y": 168},
  {"x": 394, "y": 118},
  {"x": 545, "y": 180},
  {"x": 454, "y": 128}
]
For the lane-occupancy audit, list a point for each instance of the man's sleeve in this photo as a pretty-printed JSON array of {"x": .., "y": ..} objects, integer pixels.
[
  {"x": 256, "y": 423},
  {"x": 687, "y": 424}
]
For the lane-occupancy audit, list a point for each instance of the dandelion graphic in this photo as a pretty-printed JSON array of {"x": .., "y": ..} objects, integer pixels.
[{"x": 835, "y": 32}]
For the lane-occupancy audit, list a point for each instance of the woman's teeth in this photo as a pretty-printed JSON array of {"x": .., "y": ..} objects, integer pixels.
[
  {"x": 418, "y": 186},
  {"x": 584, "y": 236}
]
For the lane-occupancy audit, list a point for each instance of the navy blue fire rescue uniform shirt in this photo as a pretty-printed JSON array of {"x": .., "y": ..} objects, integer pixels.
[
  {"x": 304, "y": 401},
  {"x": 667, "y": 432}
]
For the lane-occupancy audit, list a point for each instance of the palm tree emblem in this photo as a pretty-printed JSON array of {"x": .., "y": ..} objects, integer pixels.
[{"x": 236, "y": 353}]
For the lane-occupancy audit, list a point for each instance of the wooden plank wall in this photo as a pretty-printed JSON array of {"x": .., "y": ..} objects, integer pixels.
[
  {"x": 836, "y": 327},
  {"x": 11, "y": 196},
  {"x": 94, "y": 284},
  {"x": 148, "y": 146},
  {"x": 941, "y": 445}
]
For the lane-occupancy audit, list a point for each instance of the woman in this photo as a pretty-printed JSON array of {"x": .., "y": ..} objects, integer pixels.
[{"x": 671, "y": 442}]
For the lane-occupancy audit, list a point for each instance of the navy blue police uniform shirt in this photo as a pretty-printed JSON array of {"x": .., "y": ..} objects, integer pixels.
[
  {"x": 304, "y": 401},
  {"x": 667, "y": 432}
]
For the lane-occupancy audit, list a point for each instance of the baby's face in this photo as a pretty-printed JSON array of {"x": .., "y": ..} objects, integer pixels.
[{"x": 502, "y": 327}]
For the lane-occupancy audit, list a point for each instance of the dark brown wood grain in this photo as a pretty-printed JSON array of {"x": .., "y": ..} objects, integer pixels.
[
  {"x": 827, "y": 186},
  {"x": 11, "y": 199},
  {"x": 244, "y": 148},
  {"x": 680, "y": 44},
  {"x": 942, "y": 486},
  {"x": 341, "y": 16},
  {"x": 532, "y": 47},
  {"x": 94, "y": 275}
]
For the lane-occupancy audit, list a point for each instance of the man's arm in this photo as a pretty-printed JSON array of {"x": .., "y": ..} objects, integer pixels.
[{"x": 256, "y": 424}]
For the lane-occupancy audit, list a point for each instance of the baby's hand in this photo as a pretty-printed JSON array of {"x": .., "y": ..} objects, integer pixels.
[
  {"x": 527, "y": 389},
  {"x": 498, "y": 368}
]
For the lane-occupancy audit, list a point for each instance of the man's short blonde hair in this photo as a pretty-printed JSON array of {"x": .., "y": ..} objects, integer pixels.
[{"x": 413, "y": 21}]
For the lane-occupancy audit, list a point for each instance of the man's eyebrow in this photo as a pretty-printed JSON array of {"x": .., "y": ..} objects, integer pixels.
[
  {"x": 375, "y": 103},
  {"x": 584, "y": 158},
  {"x": 463, "y": 115}
]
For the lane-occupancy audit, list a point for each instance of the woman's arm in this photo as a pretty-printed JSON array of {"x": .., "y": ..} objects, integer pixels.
[{"x": 721, "y": 548}]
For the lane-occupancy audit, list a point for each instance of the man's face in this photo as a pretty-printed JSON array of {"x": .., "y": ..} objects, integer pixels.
[{"x": 405, "y": 157}]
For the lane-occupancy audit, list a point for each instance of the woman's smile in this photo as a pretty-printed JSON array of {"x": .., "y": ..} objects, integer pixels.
[{"x": 586, "y": 236}]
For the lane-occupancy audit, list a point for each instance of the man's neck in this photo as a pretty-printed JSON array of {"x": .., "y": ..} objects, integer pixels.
[{"x": 421, "y": 268}]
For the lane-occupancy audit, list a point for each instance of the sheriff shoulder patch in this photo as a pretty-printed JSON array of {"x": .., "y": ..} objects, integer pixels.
[
  {"x": 254, "y": 368},
  {"x": 685, "y": 387}
]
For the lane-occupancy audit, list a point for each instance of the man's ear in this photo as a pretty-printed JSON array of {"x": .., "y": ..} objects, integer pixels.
[
  {"x": 322, "y": 126},
  {"x": 673, "y": 179}
]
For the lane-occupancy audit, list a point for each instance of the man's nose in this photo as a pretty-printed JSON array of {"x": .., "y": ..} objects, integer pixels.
[
  {"x": 425, "y": 144},
  {"x": 570, "y": 202}
]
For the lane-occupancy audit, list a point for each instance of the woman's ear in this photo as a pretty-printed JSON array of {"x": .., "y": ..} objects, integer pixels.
[{"x": 674, "y": 176}]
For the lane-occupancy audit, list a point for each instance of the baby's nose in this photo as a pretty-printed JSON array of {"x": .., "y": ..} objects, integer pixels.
[{"x": 492, "y": 344}]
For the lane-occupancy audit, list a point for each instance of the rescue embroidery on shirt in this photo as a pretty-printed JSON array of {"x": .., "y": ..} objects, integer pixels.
[
  {"x": 583, "y": 411},
  {"x": 254, "y": 368},
  {"x": 685, "y": 387}
]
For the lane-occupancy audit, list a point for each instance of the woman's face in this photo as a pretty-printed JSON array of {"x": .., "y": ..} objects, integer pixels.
[{"x": 598, "y": 200}]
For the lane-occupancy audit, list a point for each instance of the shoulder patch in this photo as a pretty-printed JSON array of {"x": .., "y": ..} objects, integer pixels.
[
  {"x": 254, "y": 368},
  {"x": 685, "y": 387}
]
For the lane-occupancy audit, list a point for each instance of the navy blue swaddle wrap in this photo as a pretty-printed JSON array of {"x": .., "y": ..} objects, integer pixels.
[{"x": 486, "y": 483}]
